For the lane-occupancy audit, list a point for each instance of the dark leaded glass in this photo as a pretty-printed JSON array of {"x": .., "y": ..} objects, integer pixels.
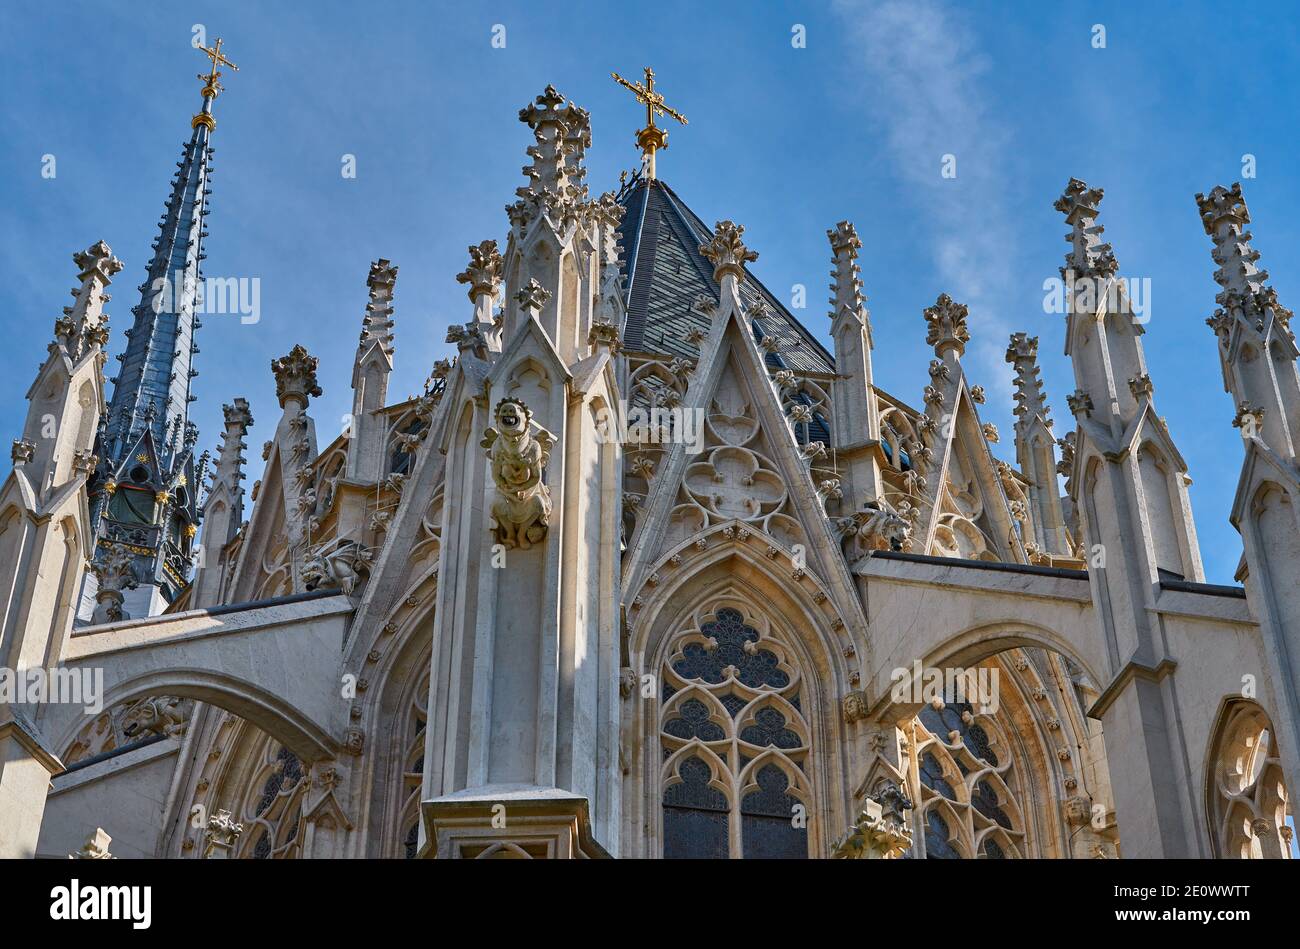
[
  {"x": 992, "y": 851},
  {"x": 285, "y": 774},
  {"x": 412, "y": 841},
  {"x": 262, "y": 849},
  {"x": 937, "y": 846},
  {"x": 985, "y": 800},
  {"x": 768, "y": 824},
  {"x": 755, "y": 669},
  {"x": 932, "y": 777},
  {"x": 942, "y": 722},
  {"x": 692, "y": 721},
  {"x": 733, "y": 704},
  {"x": 769, "y": 729},
  {"x": 695, "y": 815}
]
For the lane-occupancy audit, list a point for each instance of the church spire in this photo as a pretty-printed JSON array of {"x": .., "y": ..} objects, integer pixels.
[
  {"x": 157, "y": 367},
  {"x": 147, "y": 439}
]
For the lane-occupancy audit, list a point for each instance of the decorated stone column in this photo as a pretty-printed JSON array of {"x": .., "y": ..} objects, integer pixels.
[
  {"x": 856, "y": 426},
  {"x": 484, "y": 278},
  {"x": 1129, "y": 484},
  {"x": 1036, "y": 447},
  {"x": 223, "y": 508},
  {"x": 522, "y": 744},
  {"x": 1258, "y": 356}
]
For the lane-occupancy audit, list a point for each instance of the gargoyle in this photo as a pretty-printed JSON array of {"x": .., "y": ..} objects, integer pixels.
[
  {"x": 519, "y": 451},
  {"x": 343, "y": 565}
]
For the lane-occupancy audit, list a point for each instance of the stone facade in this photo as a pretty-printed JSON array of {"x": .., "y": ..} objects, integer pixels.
[{"x": 645, "y": 571}]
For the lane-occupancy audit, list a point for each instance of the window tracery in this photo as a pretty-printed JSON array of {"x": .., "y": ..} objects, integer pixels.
[
  {"x": 272, "y": 806},
  {"x": 413, "y": 768},
  {"x": 1250, "y": 803},
  {"x": 735, "y": 742},
  {"x": 968, "y": 786}
]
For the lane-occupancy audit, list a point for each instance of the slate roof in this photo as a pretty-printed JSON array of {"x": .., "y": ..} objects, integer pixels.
[{"x": 665, "y": 273}]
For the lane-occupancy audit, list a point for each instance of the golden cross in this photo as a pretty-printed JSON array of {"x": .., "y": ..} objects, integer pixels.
[
  {"x": 651, "y": 138},
  {"x": 652, "y": 100},
  {"x": 218, "y": 59}
]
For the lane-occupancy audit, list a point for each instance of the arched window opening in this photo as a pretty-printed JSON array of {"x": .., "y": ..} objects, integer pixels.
[
  {"x": 735, "y": 742},
  {"x": 1250, "y": 804},
  {"x": 968, "y": 786}
]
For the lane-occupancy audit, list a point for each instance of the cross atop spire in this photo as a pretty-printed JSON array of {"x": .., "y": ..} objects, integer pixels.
[
  {"x": 212, "y": 86},
  {"x": 651, "y": 138}
]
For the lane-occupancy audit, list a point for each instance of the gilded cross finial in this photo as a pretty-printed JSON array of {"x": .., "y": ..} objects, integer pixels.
[
  {"x": 211, "y": 83},
  {"x": 651, "y": 138}
]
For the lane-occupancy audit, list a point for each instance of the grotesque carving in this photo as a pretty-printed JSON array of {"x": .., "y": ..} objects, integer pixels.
[
  {"x": 519, "y": 452},
  {"x": 341, "y": 564},
  {"x": 159, "y": 715},
  {"x": 876, "y": 527}
]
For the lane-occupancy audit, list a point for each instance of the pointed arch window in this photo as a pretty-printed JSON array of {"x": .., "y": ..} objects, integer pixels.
[
  {"x": 1249, "y": 799},
  {"x": 735, "y": 742},
  {"x": 968, "y": 786}
]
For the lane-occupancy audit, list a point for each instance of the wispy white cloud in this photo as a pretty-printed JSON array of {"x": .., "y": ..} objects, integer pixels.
[{"x": 924, "y": 84}]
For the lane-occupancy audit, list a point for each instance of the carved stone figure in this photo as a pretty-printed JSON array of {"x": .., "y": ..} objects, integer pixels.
[
  {"x": 519, "y": 451},
  {"x": 160, "y": 715},
  {"x": 336, "y": 564}
]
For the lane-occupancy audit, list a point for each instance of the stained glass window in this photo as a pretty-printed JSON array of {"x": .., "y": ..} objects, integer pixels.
[
  {"x": 967, "y": 780},
  {"x": 735, "y": 743}
]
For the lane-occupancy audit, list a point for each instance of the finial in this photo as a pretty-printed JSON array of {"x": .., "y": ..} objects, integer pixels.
[
  {"x": 846, "y": 277},
  {"x": 532, "y": 297},
  {"x": 727, "y": 252},
  {"x": 484, "y": 271},
  {"x": 212, "y": 86},
  {"x": 651, "y": 138},
  {"x": 947, "y": 326},
  {"x": 1022, "y": 354},
  {"x": 1088, "y": 256},
  {"x": 1225, "y": 216},
  {"x": 295, "y": 377}
]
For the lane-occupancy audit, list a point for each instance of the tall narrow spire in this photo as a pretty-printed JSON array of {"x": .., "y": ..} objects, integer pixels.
[
  {"x": 856, "y": 428},
  {"x": 1251, "y": 325},
  {"x": 145, "y": 487},
  {"x": 1036, "y": 446},
  {"x": 370, "y": 372}
]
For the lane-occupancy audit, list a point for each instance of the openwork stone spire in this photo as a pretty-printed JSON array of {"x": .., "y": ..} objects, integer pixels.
[
  {"x": 846, "y": 276},
  {"x": 562, "y": 133},
  {"x": 1249, "y": 324},
  {"x": 84, "y": 325},
  {"x": 1022, "y": 353},
  {"x": 1225, "y": 216},
  {"x": 947, "y": 326},
  {"x": 1088, "y": 256},
  {"x": 295, "y": 377},
  {"x": 230, "y": 456},
  {"x": 377, "y": 324}
]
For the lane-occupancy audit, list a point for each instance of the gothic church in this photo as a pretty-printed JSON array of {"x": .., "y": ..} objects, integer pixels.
[{"x": 507, "y": 619}]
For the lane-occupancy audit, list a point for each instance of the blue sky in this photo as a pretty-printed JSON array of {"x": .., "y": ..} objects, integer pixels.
[{"x": 785, "y": 141}]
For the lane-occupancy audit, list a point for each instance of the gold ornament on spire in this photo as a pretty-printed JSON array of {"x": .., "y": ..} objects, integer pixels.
[
  {"x": 651, "y": 138},
  {"x": 211, "y": 84}
]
